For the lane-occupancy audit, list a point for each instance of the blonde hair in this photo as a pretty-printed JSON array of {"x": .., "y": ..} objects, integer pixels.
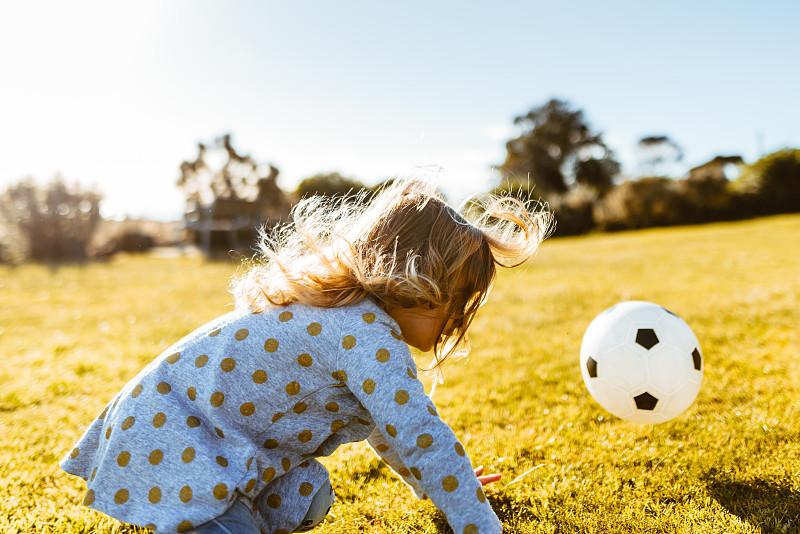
[{"x": 405, "y": 247}]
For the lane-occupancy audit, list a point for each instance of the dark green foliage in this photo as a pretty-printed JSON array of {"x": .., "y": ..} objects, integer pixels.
[
  {"x": 772, "y": 184},
  {"x": 330, "y": 184}
]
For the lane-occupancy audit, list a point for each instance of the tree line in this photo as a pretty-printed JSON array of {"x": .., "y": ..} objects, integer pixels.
[{"x": 556, "y": 157}]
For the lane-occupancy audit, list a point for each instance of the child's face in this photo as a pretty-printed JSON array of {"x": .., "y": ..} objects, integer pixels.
[{"x": 421, "y": 326}]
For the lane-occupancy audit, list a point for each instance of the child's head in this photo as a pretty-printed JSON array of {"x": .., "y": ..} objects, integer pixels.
[{"x": 404, "y": 248}]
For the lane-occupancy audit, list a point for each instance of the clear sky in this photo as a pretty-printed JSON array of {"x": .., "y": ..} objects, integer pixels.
[{"x": 117, "y": 95}]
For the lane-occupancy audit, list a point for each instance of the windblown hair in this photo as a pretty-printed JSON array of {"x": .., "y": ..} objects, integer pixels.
[{"x": 406, "y": 247}]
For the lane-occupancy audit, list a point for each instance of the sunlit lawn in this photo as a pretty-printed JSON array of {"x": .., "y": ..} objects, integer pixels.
[{"x": 71, "y": 336}]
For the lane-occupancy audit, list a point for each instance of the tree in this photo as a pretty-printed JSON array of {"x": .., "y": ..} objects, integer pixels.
[
  {"x": 53, "y": 223},
  {"x": 329, "y": 184},
  {"x": 557, "y": 150},
  {"x": 220, "y": 172},
  {"x": 658, "y": 155},
  {"x": 229, "y": 196}
]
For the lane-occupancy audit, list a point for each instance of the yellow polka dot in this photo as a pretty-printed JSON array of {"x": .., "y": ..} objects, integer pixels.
[
  {"x": 368, "y": 317},
  {"x": 304, "y": 436},
  {"x": 401, "y": 397},
  {"x": 314, "y": 329},
  {"x": 89, "y": 498},
  {"x": 241, "y": 335},
  {"x": 103, "y": 414},
  {"x": 305, "y": 360},
  {"x": 450, "y": 484},
  {"x": 108, "y": 432},
  {"x": 395, "y": 335},
  {"x": 75, "y": 452},
  {"x": 192, "y": 421},
  {"x": 154, "y": 495},
  {"x": 274, "y": 501},
  {"x": 268, "y": 475},
  {"x": 217, "y": 399},
  {"x": 94, "y": 472},
  {"x": 332, "y": 407},
  {"x": 163, "y": 388},
  {"x": 221, "y": 460},
  {"x": 185, "y": 526},
  {"x": 339, "y": 375},
  {"x": 470, "y": 529},
  {"x": 432, "y": 411},
  {"x": 271, "y": 444},
  {"x": 337, "y": 425},
  {"x": 188, "y": 455},
  {"x": 214, "y": 332},
  {"x": 128, "y": 422},
  {"x": 416, "y": 473},
  {"x": 249, "y": 461},
  {"x": 305, "y": 489},
  {"x": 404, "y": 472},
  {"x": 368, "y": 386},
  {"x": 382, "y": 447},
  {"x": 392, "y": 431},
  {"x": 382, "y": 355},
  {"x": 219, "y": 432},
  {"x": 260, "y": 376},
  {"x": 412, "y": 373},
  {"x": 174, "y": 357},
  {"x": 285, "y": 316},
  {"x": 156, "y": 456},
  {"x": 135, "y": 393},
  {"x": 460, "y": 449},
  {"x": 201, "y": 361},
  {"x": 191, "y": 393},
  {"x": 481, "y": 496},
  {"x": 123, "y": 458},
  {"x": 348, "y": 342},
  {"x": 247, "y": 409},
  {"x": 277, "y": 416},
  {"x": 159, "y": 419},
  {"x": 271, "y": 345},
  {"x": 121, "y": 497},
  {"x": 151, "y": 526},
  {"x": 300, "y": 407},
  {"x": 186, "y": 494},
  {"x": 220, "y": 491},
  {"x": 286, "y": 464},
  {"x": 292, "y": 388},
  {"x": 424, "y": 441},
  {"x": 227, "y": 364},
  {"x": 363, "y": 421}
]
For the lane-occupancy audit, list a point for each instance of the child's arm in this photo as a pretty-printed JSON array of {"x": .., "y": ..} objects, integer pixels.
[{"x": 380, "y": 372}]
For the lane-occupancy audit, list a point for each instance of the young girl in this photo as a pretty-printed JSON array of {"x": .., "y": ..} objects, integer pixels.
[{"x": 221, "y": 431}]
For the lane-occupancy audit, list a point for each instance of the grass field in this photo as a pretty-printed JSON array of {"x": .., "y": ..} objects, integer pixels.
[{"x": 70, "y": 337}]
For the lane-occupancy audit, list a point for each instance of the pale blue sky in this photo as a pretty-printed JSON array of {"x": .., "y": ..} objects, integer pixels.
[{"x": 118, "y": 94}]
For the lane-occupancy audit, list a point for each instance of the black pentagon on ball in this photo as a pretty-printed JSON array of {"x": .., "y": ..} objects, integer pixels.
[
  {"x": 645, "y": 401},
  {"x": 591, "y": 366},
  {"x": 698, "y": 359},
  {"x": 647, "y": 338}
]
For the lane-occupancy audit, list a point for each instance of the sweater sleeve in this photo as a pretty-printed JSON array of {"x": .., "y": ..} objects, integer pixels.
[
  {"x": 381, "y": 445},
  {"x": 377, "y": 367}
]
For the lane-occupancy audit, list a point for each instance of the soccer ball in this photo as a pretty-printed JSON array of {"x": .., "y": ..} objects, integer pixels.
[{"x": 641, "y": 362}]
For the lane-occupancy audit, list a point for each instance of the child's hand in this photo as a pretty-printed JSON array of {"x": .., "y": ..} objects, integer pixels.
[{"x": 488, "y": 479}]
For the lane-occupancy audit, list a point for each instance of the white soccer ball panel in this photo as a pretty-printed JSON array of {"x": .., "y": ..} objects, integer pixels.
[{"x": 668, "y": 367}]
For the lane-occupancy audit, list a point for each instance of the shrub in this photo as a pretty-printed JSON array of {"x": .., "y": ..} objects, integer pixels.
[
  {"x": 52, "y": 223},
  {"x": 772, "y": 184},
  {"x": 651, "y": 201}
]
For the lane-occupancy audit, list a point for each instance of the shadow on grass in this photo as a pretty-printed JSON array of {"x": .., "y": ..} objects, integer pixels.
[
  {"x": 772, "y": 507},
  {"x": 509, "y": 510}
]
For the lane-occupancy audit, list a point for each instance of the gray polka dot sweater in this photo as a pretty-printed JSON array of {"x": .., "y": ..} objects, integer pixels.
[{"x": 245, "y": 399}]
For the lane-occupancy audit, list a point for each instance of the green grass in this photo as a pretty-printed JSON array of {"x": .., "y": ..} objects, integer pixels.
[{"x": 71, "y": 336}]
